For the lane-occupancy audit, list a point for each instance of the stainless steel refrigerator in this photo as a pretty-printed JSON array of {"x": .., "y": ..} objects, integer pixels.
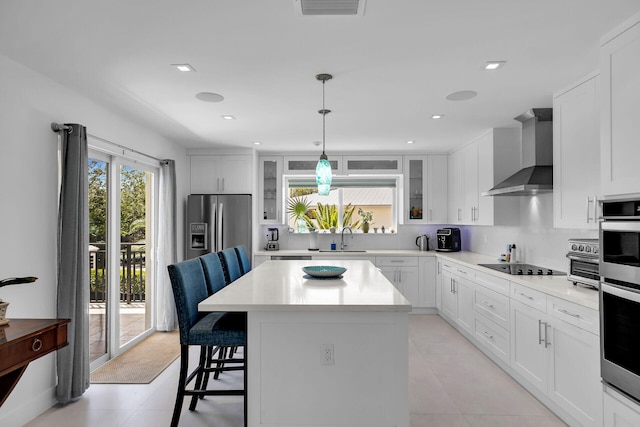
[{"x": 216, "y": 222}]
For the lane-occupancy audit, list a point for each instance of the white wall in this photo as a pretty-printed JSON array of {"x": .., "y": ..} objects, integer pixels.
[
  {"x": 29, "y": 102},
  {"x": 536, "y": 240}
]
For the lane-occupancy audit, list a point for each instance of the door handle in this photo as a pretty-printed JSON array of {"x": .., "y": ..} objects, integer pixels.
[
  {"x": 220, "y": 225},
  {"x": 547, "y": 344},
  {"x": 540, "y": 339}
]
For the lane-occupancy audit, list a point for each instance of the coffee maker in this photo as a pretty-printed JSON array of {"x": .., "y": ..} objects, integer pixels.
[
  {"x": 448, "y": 240},
  {"x": 272, "y": 240}
]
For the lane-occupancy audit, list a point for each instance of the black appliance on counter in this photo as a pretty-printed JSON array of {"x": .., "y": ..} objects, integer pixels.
[{"x": 448, "y": 240}]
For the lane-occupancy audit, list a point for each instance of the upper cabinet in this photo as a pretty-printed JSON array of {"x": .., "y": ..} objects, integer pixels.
[
  {"x": 425, "y": 189},
  {"x": 476, "y": 168},
  {"x": 620, "y": 103},
  {"x": 270, "y": 189},
  {"x": 372, "y": 164},
  {"x": 221, "y": 174},
  {"x": 576, "y": 155},
  {"x": 306, "y": 165}
]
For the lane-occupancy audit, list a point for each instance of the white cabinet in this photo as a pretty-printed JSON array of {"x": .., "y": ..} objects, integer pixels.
[
  {"x": 415, "y": 190},
  {"x": 372, "y": 164},
  {"x": 427, "y": 277},
  {"x": 455, "y": 185},
  {"x": 306, "y": 165},
  {"x": 528, "y": 345},
  {"x": 457, "y": 296},
  {"x": 437, "y": 173},
  {"x": 425, "y": 189},
  {"x": 439, "y": 280},
  {"x": 556, "y": 356},
  {"x": 221, "y": 174},
  {"x": 403, "y": 272},
  {"x": 620, "y": 103},
  {"x": 270, "y": 190},
  {"x": 470, "y": 183},
  {"x": 576, "y": 155},
  {"x": 619, "y": 411},
  {"x": 476, "y": 168}
]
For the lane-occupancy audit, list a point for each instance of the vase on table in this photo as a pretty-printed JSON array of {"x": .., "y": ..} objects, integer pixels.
[{"x": 365, "y": 227}]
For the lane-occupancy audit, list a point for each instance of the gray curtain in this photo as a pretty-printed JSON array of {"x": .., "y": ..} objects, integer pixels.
[
  {"x": 166, "y": 318},
  {"x": 73, "y": 263}
]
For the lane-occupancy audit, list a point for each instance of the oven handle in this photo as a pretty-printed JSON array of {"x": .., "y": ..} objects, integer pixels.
[
  {"x": 629, "y": 226},
  {"x": 620, "y": 292}
]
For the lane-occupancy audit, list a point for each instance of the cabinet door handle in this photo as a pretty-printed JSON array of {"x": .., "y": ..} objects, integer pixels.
[
  {"x": 526, "y": 296},
  {"x": 222, "y": 184},
  {"x": 459, "y": 214},
  {"x": 588, "y": 202},
  {"x": 595, "y": 208},
  {"x": 36, "y": 345},
  {"x": 547, "y": 344},
  {"x": 461, "y": 271},
  {"x": 568, "y": 313},
  {"x": 455, "y": 291},
  {"x": 487, "y": 304},
  {"x": 218, "y": 184},
  {"x": 430, "y": 215},
  {"x": 400, "y": 276},
  {"x": 486, "y": 334},
  {"x": 540, "y": 339}
]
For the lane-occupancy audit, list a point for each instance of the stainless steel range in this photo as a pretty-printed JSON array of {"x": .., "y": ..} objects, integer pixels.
[{"x": 520, "y": 269}]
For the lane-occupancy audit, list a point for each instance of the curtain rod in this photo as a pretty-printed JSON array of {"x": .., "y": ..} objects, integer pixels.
[{"x": 57, "y": 127}]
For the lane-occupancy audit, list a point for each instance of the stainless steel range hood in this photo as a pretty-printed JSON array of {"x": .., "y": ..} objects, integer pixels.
[{"x": 536, "y": 175}]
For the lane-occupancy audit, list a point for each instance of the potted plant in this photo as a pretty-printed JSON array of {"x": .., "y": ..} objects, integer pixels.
[
  {"x": 298, "y": 207},
  {"x": 4, "y": 304},
  {"x": 367, "y": 216}
]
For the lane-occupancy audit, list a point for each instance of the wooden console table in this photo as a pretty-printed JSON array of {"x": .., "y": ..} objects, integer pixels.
[{"x": 24, "y": 340}]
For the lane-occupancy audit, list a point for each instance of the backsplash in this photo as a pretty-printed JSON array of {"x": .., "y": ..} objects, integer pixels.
[{"x": 537, "y": 241}]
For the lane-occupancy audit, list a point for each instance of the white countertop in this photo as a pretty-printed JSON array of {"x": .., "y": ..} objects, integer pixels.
[
  {"x": 557, "y": 286},
  {"x": 280, "y": 286},
  {"x": 368, "y": 252}
]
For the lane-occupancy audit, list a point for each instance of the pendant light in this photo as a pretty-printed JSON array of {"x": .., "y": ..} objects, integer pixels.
[{"x": 323, "y": 169}]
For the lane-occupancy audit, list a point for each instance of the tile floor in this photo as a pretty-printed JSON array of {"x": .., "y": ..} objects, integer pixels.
[{"x": 451, "y": 384}]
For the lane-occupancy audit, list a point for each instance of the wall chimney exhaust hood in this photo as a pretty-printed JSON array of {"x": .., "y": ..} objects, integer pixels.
[{"x": 536, "y": 175}]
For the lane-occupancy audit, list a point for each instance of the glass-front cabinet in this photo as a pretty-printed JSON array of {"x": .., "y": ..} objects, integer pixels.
[
  {"x": 415, "y": 171},
  {"x": 271, "y": 189},
  {"x": 425, "y": 189}
]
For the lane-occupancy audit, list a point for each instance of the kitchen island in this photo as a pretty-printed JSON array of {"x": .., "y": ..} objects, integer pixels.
[{"x": 322, "y": 352}]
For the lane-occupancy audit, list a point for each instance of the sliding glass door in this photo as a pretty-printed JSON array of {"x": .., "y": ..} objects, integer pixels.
[{"x": 122, "y": 212}]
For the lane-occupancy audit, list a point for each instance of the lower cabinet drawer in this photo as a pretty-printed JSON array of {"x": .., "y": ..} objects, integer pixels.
[
  {"x": 491, "y": 305},
  {"x": 493, "y": 337}
]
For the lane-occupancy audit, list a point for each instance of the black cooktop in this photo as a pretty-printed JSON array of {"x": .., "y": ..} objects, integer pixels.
[{"x": 520, "y": 269}]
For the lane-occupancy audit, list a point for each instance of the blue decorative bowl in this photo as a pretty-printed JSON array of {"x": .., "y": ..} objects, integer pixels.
[{"x": 323, "y": 270}]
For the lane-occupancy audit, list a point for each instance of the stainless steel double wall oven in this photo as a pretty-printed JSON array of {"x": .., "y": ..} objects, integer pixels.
[{"x": 620, "y": 295}]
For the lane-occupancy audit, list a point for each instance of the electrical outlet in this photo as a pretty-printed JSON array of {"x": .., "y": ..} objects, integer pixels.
[{"x": 326, "y": 354}]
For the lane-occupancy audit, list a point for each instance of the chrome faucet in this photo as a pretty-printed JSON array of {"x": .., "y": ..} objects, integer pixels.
[{"x": 342, "y": 243}]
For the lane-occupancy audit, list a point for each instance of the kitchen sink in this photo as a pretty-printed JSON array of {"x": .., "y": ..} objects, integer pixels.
[{"x": 342, "y": 251}]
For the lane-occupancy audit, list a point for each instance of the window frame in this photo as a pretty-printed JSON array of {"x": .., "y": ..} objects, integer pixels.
[{"x": 367, "y": 180}]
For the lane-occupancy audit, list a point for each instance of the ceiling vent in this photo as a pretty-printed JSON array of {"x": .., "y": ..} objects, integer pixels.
[{"x": 329, "y": 7}]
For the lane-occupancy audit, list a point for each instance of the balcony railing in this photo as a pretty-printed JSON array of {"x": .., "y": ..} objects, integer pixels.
[{"x": 132, "y": 272}]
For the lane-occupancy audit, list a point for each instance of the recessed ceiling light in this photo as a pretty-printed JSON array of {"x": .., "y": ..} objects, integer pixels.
[
  {"x": 494, "y": 65},
  {"x": 183, "y": 67},
  {"x": 257, "y": 142},
  {"x": 410, "y": 141},
  {"x": 226, "y": 117},
  {"x": 437, "y": 116},
  {"x": 209, "y": 97},
  {"x": 462, "y": 95}
]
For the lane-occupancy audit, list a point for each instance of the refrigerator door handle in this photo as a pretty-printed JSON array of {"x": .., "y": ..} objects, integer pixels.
[
  {"x": 219, "y": 227},
  {"x": 212, "y": 229}
]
